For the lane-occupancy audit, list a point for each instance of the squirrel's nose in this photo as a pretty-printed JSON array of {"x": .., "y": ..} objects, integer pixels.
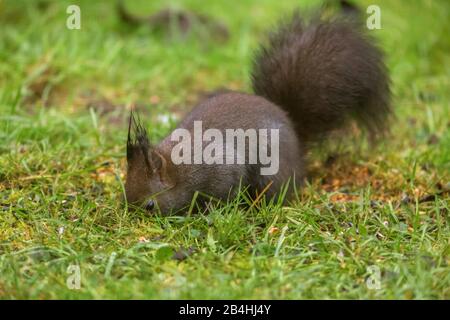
[{"x": 150, "y": 205}]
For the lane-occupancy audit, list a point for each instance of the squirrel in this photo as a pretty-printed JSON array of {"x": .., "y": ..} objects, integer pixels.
[
  {"x": 173, "y": 21},
  {"x": 312, "y": 77}
]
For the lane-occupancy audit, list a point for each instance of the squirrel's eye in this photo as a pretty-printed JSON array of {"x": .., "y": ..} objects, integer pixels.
[{"x": 150, "y": 205}]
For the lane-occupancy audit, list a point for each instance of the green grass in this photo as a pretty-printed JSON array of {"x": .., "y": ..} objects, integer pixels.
[{"x": 62, "y": 165}]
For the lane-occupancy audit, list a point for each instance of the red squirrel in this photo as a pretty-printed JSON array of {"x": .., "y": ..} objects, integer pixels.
[{"x": 313, "y": 76}]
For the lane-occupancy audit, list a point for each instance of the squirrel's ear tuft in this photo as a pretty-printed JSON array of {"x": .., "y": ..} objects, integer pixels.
[
  {"x": 137, "y": 140},
  {"x": 129, "y": 139}
]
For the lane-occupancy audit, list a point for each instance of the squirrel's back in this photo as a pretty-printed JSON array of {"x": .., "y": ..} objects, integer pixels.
[{"x": 324, "y": 73}]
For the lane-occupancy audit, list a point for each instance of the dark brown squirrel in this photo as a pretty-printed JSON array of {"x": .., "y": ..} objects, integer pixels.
[{"x": 312, "y": 77}]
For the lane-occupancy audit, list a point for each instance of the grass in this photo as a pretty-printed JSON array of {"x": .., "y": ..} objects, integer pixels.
[{"x": 62, "y": 145}]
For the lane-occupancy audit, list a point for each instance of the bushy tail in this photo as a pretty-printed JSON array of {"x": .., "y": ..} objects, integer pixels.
[{"x": 324, "y": 73}]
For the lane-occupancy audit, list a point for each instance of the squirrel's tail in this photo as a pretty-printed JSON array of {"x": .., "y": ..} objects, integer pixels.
[{"x": 324, "y": 73}]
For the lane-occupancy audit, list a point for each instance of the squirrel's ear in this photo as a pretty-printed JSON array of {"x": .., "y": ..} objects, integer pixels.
[
  {"x": 160, "y": 165},
  {"x": 157, "y": 160}
]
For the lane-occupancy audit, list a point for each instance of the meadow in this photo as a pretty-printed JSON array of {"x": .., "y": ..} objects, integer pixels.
[{"x": 371, "y": 223}]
